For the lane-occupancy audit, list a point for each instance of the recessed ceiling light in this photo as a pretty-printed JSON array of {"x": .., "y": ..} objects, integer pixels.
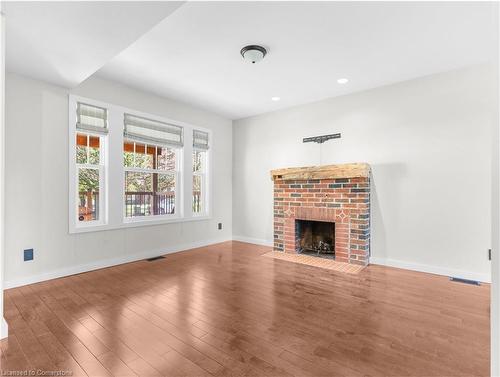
[
  {"x": 275, "y": 98},
  {"x": 342, "y": 81}
]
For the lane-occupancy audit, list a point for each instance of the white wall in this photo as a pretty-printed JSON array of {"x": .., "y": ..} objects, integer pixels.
[
  {"x": 428, "y": 142},
  {"x": 37, "y": 183},
  {"x": 495, "y": 226},
  {"x": 3, "y": 324},
  {"x": 495, "y": 256}
]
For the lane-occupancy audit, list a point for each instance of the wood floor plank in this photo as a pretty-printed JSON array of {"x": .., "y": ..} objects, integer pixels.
[
  {"x": 115, "y": 365},
  {"x": 13, "y": 357},
  {"x": 62, "y": 359},
  {"x": 226, "y": 310}
]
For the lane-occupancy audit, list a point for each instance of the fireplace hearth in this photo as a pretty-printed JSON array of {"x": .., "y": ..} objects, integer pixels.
[{"x": 316, "y": 238}]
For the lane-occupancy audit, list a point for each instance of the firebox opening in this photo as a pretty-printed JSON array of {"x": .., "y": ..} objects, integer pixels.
[{"x": 315, "y": 238}]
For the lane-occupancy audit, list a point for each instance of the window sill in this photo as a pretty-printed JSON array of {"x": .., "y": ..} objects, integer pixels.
[{"x": 136, "y": 223}]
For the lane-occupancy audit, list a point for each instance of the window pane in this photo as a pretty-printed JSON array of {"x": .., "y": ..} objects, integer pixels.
[
  {"x": 128, "y": 159},
  {"x": 128, "y": 154},
  {"x": 88, "y": 149},
  {"x": 166, "y": 159},
  {"x": 152, "y": 193},
  {"x": 149, "y": 194},
  {"x": 94, "y": 150},
  {"x": 198, "y": 158},
  {"x": 88, "y": 194},
  {"x": 165, "y": 194},
  {"x": 197, "y": 197},
  {"x": 166, "y": 183},
  {"x": 144, "y": 156},
  {"x": 138, "y": 194},
  {"x": 81, "y": 148},
  {"x": 138, "y": 182}
]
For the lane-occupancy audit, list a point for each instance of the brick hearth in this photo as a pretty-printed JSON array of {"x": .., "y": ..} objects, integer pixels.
[{"x": 334, "y": 193}]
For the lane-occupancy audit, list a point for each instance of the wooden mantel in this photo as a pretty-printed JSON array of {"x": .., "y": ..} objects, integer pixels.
[{"x": 359, "y": 169}]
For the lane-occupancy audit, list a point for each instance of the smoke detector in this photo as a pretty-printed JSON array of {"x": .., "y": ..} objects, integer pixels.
[{"x": 253, "y": 53}]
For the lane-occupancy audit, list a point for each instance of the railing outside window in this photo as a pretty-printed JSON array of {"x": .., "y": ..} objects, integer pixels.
[{"x": 148, "y": 203}]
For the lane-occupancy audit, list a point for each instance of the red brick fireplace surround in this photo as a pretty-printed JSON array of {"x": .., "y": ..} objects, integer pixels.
[{"x": 334, "y": 193}]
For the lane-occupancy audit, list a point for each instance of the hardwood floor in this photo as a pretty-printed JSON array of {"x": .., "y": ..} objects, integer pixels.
[{"x": 225, "y": 310}]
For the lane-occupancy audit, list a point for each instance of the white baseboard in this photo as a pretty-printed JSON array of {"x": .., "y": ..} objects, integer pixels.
[
  {"x": 4, "y": 328},
  {"x": 485, "y": 278},
  {"x": 106, "y": 263},
  {"x": 256, "y": 241},
  {"x": 151, "y": 253}
]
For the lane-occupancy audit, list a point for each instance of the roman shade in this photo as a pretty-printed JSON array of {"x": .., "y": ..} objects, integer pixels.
[
  {"x": 152, "y": 132},
  {"x": 200, "y": 139},
  {"x": 91, "y": 118}
]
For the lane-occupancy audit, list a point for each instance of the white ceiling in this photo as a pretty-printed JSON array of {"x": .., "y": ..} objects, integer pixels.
[
  {"x": 193, "y": 54},
  {"x": 66, "y": 42}
]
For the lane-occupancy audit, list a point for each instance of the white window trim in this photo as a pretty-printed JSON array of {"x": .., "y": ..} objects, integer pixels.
[
  {"x": 75, "y": 225},
  {"x": 113, "y": 209}
]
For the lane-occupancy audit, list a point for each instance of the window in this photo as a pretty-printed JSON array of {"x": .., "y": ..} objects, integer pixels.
[
  {"x": 151, "y": 164},
  {"x": 91, "y": 130},
  {"x": 129, "y": 169},
  {"x": 200, "y": 157}
]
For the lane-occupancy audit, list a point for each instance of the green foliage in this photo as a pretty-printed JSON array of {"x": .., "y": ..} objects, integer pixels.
[
  {"x": 166, "y": 183},
  {"x": 128, "y": 159},
  {"x": 81, "y": 155},
  {"x": 143, "y": 182},
  {"x": 138, "y": 182},
  {"x": 88, "y": 180},
  {"x": 92, "y": 158},
  {"x": 94, "y": 155}
]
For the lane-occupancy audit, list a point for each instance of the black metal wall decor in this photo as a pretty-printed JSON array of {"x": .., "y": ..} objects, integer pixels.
[{"x": 321, "y": 139}]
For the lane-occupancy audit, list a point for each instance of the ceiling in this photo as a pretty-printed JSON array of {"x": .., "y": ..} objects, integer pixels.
[
  {"x": 66, "y": 42},
  {"x": 191, "y": 52}
]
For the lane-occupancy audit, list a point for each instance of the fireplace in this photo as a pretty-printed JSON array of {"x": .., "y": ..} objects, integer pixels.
[
  {"x": 315, "y": 238},
  {"x": 323, "y": 211}
]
